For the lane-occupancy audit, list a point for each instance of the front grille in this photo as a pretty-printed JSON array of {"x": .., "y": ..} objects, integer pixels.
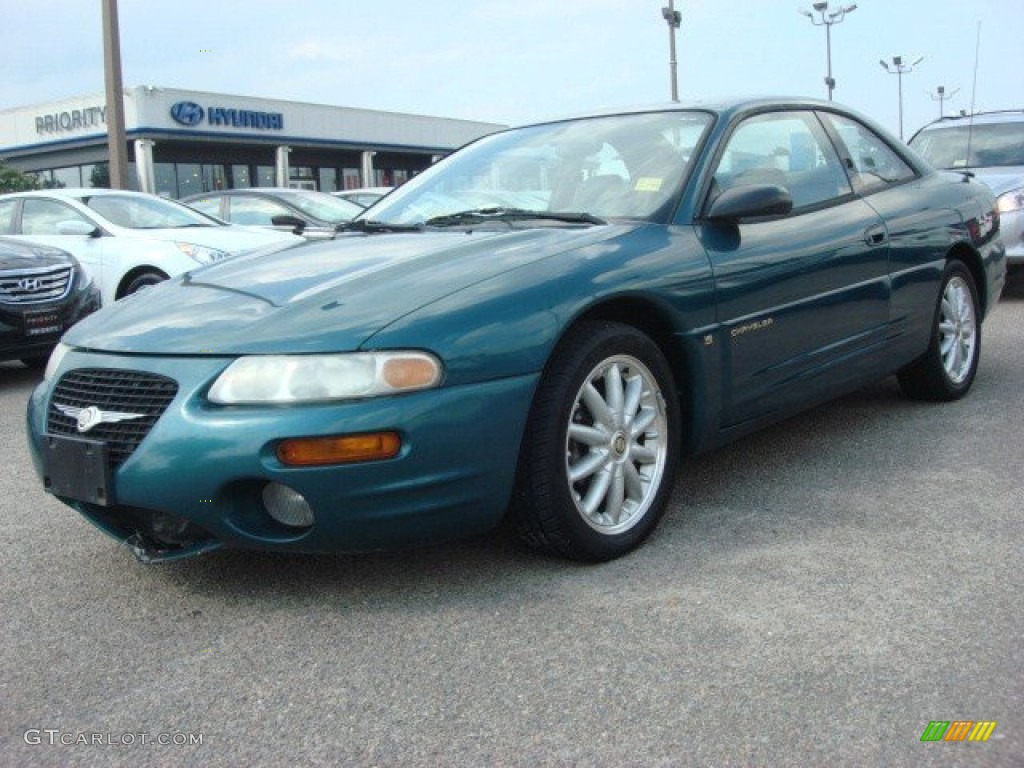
[
  {"x": 111, "y": 389},
  {"x": 34, "y": 286}
]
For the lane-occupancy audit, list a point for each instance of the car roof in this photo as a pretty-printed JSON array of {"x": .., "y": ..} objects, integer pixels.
[
  {"x": 978, "y": 118},
  {"x": 80, "y": 192}
]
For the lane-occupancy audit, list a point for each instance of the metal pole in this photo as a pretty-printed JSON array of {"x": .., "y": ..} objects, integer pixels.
[
  {"x": 672, "y": 63},
  {"x": 673, "y": 18},
  {"x": 899, "y": 77},
  {"x": 828, "y": 55},
  {"x": 116, "y": 142}
]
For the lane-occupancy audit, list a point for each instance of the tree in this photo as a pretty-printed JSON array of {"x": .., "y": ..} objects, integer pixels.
[{"x": 13, "y": 180}]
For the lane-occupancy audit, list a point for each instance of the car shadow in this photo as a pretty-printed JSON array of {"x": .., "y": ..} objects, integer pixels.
[
  {"x": 1014, "y": 289},
  {"x": 714, "y": 496},
  {"x": 14, "y": 373}
]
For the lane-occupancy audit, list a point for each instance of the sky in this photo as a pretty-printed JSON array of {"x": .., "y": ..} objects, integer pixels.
[{"x": 517, "y": 61}]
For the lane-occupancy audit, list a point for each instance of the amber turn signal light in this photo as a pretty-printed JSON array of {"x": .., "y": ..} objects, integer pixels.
[{"x": 342, "y": 449}]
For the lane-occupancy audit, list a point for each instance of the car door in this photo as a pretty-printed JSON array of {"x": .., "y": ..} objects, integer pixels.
[
  {"x": 50, "y": 221},
  {"x": 802, "y": 298}
]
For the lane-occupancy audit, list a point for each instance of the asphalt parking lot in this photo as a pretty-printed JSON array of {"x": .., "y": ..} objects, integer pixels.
[{"x": 817, "y": 594}]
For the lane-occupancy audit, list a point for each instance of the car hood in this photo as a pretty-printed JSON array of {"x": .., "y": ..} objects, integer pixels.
[
  {"x": 16, "y": 254},
  {"x": 1001, "y": 179},
  {"x": 318, "y": 297},
  {"x": 228, "y": 238}
]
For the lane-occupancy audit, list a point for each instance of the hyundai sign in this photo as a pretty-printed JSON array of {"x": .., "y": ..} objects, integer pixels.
[{"x": 190, "y": 114}]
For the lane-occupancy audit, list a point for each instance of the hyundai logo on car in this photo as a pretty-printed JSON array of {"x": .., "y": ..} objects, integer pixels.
[{"x": 187, "y": 113}]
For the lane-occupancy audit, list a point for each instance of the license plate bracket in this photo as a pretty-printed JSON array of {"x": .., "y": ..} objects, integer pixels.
[{"x": 77, "y": 469}]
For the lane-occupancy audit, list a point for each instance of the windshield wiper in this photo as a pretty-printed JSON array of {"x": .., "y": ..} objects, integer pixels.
[
  {"x": 480, "y": 215},
  {"x": 369, "y": 225}
]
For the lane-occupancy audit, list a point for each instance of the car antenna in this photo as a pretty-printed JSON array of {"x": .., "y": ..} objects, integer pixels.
[{"x": 974, "y": 92}]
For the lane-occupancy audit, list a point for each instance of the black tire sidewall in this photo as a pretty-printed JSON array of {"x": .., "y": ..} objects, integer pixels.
[{"x": 572, "y": 363}]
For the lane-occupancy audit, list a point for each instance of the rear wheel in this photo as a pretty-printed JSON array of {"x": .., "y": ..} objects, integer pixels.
[
  {"x": 601, "y": 447},
  {"x": 947, "y": 369}
]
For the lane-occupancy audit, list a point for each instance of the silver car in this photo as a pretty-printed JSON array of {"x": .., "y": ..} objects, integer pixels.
[{"x": 991, "y": 146}]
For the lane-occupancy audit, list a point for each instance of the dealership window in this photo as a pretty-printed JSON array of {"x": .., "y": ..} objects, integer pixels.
[
  {"x": 190, "y": 179},
  {"x": 240, "y": 177},
  {"x": 328, "y": 179},
  {"x": 68, "y": 177},
  {"x": 350, "y": 178},
  {"x": 166, "y": 179},
  {"x": 264, "y": 175}
]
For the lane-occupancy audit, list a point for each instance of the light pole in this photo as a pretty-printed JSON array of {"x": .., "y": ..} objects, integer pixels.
[
  {"x": 900, "y": 69},
  {"x": 673, "y": 18},
  {"x": 116, "y": 143},
  {"x": 826, "y": 18},
  {"x": 941, "y": 96}
]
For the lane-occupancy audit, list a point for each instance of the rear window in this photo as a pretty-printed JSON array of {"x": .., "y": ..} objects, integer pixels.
[{"x": 989, "y": 145}]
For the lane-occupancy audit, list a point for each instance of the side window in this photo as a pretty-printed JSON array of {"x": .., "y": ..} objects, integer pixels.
[
  {"x": 873, "y": 164},
  {"x": 7, "y": 216},
  {"x": 41, "y": 217},
  {"x": 788, "y": 149},
  {"x": 255, "y": 210}
]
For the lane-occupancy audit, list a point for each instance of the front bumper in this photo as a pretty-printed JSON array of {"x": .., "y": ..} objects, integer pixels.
[
  {"x": 203, "y": 467},
  {"x": 19, "y": 340},
  {"x": 1011, "y": 229}
]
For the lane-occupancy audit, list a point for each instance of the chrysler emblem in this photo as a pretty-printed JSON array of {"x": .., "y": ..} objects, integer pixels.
[
  {"x": 30, "y": 284},
  {"x": 92, "y": 416}
]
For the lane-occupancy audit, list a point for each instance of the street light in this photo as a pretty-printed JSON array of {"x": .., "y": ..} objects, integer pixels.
[
  {"x": 826, "y": 18},
  {"x": 673, "y": 18},
  {"x": 900, "y": 69},
  {"x": 941, "y": 96}
]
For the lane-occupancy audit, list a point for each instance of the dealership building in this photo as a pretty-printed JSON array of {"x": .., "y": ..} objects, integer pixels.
[{"x": 183, "y": 142}]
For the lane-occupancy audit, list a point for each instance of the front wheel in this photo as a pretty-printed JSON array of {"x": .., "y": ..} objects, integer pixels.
[
  {"x": 947, "y": 369},
  {"x": 142, "y": 281},
  {"x": 601, "y": 446}
]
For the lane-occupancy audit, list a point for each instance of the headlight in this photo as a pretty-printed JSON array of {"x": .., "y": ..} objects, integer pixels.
[
  {"x": 201, "y": 253},
  {"x": 54, "y": 362},
  {"x": 313, "y": 378},
  {"x": 1011, "y": 201}
]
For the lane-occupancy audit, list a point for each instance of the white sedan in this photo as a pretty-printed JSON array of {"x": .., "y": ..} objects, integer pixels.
[{"x": 126, "y": 240}]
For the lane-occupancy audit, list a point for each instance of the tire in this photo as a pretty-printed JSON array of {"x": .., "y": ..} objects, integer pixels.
[
  {"x": 947, "y": 369},
  {"x": 141, "y": 281},
  {"x": 601, "y": 446}
]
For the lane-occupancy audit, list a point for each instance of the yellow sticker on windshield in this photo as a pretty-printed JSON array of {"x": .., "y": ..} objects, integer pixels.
[{"x": 647, "y": 184}]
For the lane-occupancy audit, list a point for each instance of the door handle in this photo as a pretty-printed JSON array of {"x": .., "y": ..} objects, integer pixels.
[{"x": 876, "y": 235}]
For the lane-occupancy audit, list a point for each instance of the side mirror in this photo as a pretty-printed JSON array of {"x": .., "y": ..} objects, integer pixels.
[
  {"x": 286, "y": 220},
  {"x": 77, "y": 227},
  {"x": 750, "y": 201}
]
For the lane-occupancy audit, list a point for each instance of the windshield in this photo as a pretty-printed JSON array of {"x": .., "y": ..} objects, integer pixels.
[
  {"x": 322, "y": 206},
  {"x": 991, "y": 145},
  {"x": 626, "y": 166},
  {"x": 145, "y": 212}
]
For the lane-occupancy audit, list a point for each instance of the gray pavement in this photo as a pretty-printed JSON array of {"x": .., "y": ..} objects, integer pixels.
[{"x": 817, "y": 594}]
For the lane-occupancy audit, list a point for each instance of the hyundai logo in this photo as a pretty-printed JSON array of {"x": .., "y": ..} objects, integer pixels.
[
  {"x": 187, "y": 113},
  {"x": 30, "y": 284}
]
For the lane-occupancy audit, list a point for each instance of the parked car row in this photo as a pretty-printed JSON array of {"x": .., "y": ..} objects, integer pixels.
[
  {"x": 990, "y": 145},
  {"x": 314, "y": 215},
  {"x": 539, "y": 326},
  {"x": 126, "y": 241}
]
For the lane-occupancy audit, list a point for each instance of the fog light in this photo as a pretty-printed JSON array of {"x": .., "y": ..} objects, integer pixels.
[{"x": 287, "y": 506}]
